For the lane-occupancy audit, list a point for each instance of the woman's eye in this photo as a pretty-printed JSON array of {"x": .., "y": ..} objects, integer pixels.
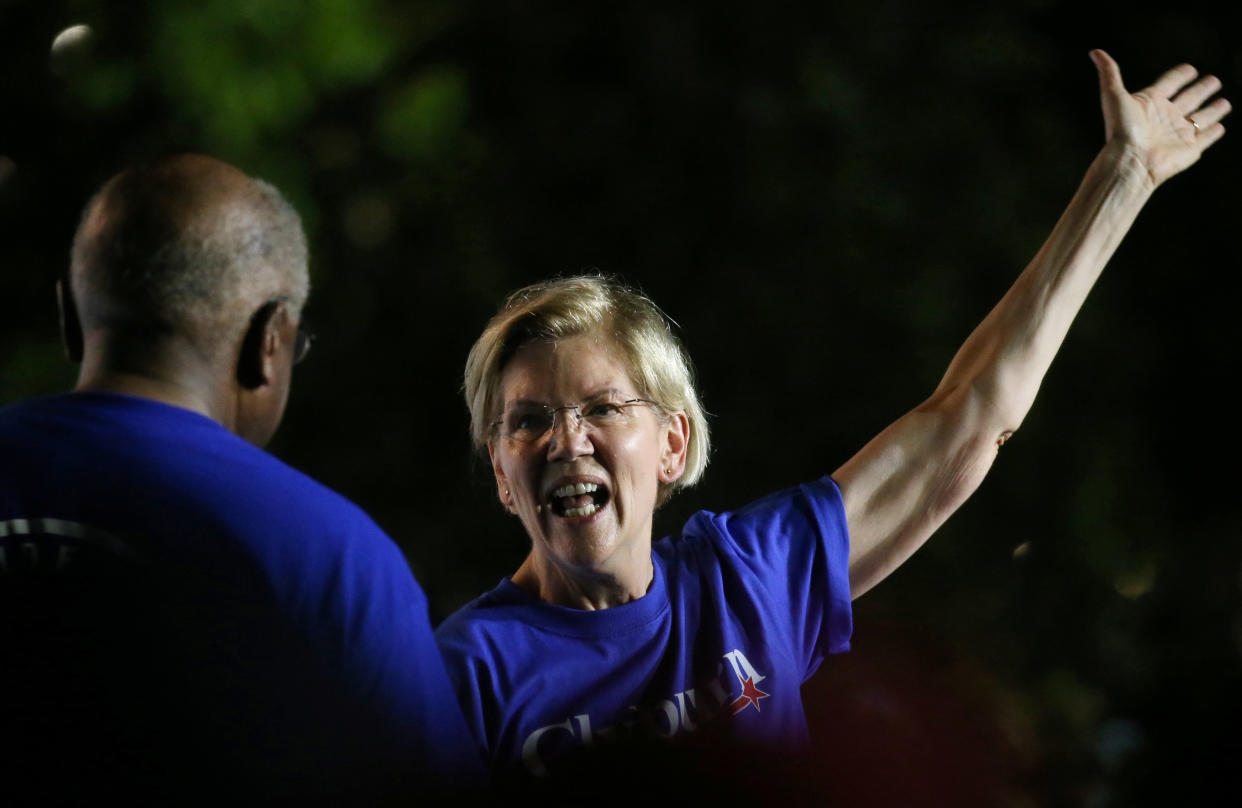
[
  {"x": 604, "y": 410},
  {"x": 527, "y": 422}
]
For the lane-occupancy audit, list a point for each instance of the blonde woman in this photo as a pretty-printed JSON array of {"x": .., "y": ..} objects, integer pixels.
[{"x": 583, "y": 400}]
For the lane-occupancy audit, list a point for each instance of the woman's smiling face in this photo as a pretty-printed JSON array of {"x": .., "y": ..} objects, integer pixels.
[{"x": 586, "y": 489}]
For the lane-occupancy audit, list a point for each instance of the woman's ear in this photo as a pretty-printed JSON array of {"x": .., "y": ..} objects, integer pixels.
[
  {"x": 676, "y": 437},
  {"x": 502, "y": 482}
]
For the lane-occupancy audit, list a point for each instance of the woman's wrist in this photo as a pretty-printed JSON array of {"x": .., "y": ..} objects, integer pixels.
[{"x": 1123, "y": 163}]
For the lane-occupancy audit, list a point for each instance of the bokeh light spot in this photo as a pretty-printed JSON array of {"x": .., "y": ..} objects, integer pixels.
[
  {"x": 368, "y": 220},
  {"x": 71, "y": 39}
]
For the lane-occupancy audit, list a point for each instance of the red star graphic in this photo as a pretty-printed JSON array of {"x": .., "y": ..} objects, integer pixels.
[{"x": 750, "y": 695}]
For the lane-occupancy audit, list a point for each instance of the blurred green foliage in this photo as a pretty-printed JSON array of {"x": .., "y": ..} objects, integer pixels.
[
  {"x": 424, "y": 119},
  {"x": 212, "y": 61},
  {"x": 826, "y": 198}
]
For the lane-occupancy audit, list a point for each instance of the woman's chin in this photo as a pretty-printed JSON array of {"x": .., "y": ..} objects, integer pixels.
[{"x": 587, "y": 542}]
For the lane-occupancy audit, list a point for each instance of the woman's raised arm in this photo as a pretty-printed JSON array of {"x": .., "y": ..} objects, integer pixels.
[{"x": 908, "y": 479}]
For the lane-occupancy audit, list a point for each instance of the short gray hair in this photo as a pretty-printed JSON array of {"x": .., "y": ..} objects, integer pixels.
[
  {"x": 590, "y": 305},
  {"x": 154, "y": 249}
]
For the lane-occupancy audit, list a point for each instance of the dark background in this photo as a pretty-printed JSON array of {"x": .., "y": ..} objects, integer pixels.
[{"x": 826, "y": 198}]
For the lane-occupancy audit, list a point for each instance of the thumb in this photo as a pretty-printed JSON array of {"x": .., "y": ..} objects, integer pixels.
[
  {"x": 1110, "y": 73},
  {"x": 1112, "y": 91}
]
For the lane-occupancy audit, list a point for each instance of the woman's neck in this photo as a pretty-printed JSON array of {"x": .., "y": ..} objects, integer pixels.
[{"x": 587, "y": 589}]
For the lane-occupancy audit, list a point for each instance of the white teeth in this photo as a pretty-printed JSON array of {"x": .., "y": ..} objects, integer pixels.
[
  {"x": 574, "y": 489},
  {"x": 577, "y": 490}
]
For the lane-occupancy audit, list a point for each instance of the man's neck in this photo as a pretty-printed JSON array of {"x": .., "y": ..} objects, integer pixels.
[
  {"x": 169, "y": 375},
  {"x": 144, "y": 387}
]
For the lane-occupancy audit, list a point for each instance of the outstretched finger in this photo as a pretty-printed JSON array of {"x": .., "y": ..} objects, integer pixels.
[
  {"x": 1213, "y": 112},
  {"x": 1209, "y": 135},
  {"x": 1172, "y": 81},
  {"x": 1191, "y": 98}
]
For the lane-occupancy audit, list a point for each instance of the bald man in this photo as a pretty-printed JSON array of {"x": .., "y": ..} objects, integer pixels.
[{"x": 185, "y": 617}]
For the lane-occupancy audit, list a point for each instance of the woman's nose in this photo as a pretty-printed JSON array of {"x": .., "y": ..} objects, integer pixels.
[{"x": 569, "y": 438}]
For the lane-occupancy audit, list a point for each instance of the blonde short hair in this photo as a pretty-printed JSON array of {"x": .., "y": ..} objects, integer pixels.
[{"x": 590, "y": 305}]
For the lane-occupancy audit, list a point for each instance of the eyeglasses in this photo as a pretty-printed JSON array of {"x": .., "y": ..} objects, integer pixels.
[
  {"x": 530, "y": 421},
  {"x": 302, "y": 343}
]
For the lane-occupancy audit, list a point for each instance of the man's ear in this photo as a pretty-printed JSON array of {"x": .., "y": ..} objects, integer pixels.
[
  {"x": 256, "y": 364},
  {"x": 70, "y": 325}
]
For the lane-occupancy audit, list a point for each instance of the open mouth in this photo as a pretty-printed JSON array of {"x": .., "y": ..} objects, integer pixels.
[{"x": 576, "y": 500}]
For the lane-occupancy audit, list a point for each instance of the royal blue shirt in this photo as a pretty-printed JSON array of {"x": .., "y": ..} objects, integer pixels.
[
  {"x": 742, "y": 609},
  {"x": 259, "y": 621}
]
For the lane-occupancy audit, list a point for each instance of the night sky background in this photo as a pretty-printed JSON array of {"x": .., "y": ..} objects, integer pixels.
[{"x": 826, "y": 198}]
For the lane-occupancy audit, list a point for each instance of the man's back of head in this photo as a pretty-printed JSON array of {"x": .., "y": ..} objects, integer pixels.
[{"x": 181, "y": 271}]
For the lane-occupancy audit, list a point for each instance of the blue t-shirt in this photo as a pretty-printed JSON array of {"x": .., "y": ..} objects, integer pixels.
[
  {"x": 742, "y": 609},
  {"x": 180, "y": 604}
]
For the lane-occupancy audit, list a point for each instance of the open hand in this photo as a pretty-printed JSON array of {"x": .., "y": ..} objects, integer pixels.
[{"x": 1167, "y": 125}]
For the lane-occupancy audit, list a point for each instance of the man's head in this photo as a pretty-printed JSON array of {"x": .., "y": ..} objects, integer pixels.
[{"x": 189, "y": 276}]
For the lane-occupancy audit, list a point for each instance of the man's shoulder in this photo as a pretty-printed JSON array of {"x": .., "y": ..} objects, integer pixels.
[{"x": 174, "y": 467}]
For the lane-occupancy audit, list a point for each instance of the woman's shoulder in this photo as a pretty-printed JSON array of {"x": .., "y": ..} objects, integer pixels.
[
  {"x": 490, "y": 612},
  {"x": 802, "y": 526},
  {"x": 814, "y": 506}
]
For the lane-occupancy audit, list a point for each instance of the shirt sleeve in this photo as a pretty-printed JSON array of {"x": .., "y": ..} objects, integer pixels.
[{"x": 794, "y": 547}]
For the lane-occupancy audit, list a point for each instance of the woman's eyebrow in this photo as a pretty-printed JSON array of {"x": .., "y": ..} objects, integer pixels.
[
  {"x": 607, "y": 391},
  {"x": 602, "y": 393}
]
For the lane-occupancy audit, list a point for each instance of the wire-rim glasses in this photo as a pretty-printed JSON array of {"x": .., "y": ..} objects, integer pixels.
[
  {"x": 302, "y": 343},
  {"x": 531, "y": 421}
]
